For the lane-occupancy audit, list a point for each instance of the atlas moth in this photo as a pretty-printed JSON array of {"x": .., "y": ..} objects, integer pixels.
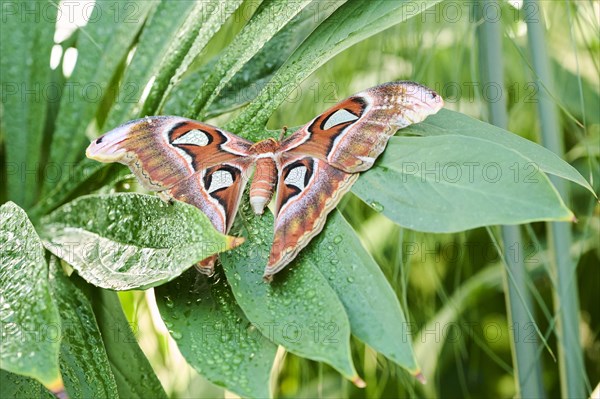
[{"x": 310, "y": 170}]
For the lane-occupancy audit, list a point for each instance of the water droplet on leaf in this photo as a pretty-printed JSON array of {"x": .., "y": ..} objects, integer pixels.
[{"x": 377, "y": 206}]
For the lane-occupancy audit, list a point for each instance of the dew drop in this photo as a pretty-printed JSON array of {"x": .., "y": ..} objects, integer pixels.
[
  {"x": 168, "y": 302},
  {"x": 376, "y": 206}
]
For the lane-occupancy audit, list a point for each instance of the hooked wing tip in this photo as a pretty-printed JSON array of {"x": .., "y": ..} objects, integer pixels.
[
  {"x": 106, "y": 148},
  {"x": 109, "y": 146},
  {"x": 276, "y": 264}
]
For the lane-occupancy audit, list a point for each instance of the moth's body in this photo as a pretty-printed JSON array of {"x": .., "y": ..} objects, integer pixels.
[
  {"x": 266, "y": 163},
  {"x": 308, "y": 172}
]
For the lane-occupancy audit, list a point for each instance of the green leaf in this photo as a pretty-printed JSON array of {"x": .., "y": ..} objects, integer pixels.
[
  {"x": 452, "y": 183},
  {"x": 27, "y": 312},
  {"x": 270, "y": 17},
  {"x": 130, "y": 241},
  {"x": 449, "y": 122},
  {"x": 254, "y": 74},
  {"x": 83, "y": 360},
  {"x": 133, "y": 373},
  {"x": 200, "y": 26},
  {"x": 298, "y": 310},
  {"x": 103, "y": 45},
  {"x": 18, "y": 386},
  {"x": 375, "y": 315},
  {"x": 354, "y": 21},
  {"x": 214, "y": 335},
  {"x": 25, "y": 76}
]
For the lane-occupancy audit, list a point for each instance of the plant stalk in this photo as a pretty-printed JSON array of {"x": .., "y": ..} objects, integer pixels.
[
  {"x": 525, "y": 354},
  {"x": 563, "y": 267}
]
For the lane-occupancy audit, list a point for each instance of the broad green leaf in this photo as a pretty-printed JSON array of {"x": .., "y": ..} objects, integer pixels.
[
  {"x": 102, "y": 46},
  {"x": 447, "y": 122},
  {"x": 25, "y": 76},
  {"x": 375, "y": 315},
  {"x": 131, "y": 241},
  {"x": 352, "y": 22},
  {"x": 452, "y": 183},
  {"x": 83, "y": 360},
  {"x": 298, "y": 310},
  {"x": 214, "y": 335},
  {"x": 254, "y": 74},
  {"x": 133, "y": 374},
  {"x": 27, "y": 313},
  {"x": 199, "y": 27},
  {"x": 18, "y": 386},
  {"x": 270, "y": 17}
]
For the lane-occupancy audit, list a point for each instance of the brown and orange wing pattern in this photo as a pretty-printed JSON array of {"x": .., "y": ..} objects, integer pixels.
[
  {"x": 208, "y": 167},
  {"x": 353, "y": 133},
  {"x": 307, "y": 190},
  {"x": 184, "y": 159},
  {"x": 321, "y": 161}
]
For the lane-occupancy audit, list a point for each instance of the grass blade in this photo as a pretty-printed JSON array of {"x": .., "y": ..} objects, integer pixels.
[
  {"x": 102, "y": 46},
  {"x": 84, "y": 364},
  {"x": 352, "y": 22},
  {"x": 203, "y": 22},
  {"x": 118, "y": 339},
  {"x": 267, "y": 21},
  {"x": 253, "y": 75},
  {"x": 160, "y": 39}
]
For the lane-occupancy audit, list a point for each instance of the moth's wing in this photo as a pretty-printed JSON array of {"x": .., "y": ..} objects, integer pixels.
[
  {"x": 164, "y": 150},
  {"x": 307, "y": 190},
  {"x": 184, "y": 159},
  {"x": 217, "y": 191},
  {"x": 353, "y": 133}
]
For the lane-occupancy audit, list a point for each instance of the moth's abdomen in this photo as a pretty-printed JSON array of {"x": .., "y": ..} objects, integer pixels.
[{"x": 263, "y": 184}]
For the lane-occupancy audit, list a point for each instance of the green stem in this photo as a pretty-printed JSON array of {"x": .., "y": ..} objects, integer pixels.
[
  {"x": 518, "y": 301},
  {"x": 566, "y": 299}
]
